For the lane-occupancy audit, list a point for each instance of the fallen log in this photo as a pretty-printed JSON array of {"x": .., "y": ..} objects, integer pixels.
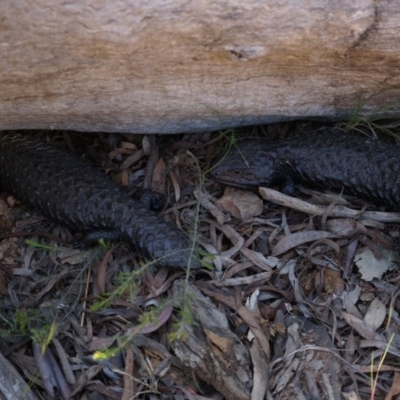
[{"x": 156, "y": 66}]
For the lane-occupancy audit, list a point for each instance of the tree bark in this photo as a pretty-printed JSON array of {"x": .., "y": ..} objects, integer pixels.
[{"x": 182, "y": 66}]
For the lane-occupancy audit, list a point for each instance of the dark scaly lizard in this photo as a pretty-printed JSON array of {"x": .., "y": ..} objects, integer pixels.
[
  {"x": 77, "y": 195},
  {"x": 358, "y": 165}
]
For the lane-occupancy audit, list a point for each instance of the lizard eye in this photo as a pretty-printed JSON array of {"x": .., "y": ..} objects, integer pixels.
[{"x": 237, "y": 172}]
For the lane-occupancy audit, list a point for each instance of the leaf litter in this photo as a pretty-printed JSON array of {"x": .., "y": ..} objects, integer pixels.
[{"x": 297, "y": 297}]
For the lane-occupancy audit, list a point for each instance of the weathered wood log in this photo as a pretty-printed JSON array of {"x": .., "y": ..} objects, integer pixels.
[{"x": 156, "y": 66}]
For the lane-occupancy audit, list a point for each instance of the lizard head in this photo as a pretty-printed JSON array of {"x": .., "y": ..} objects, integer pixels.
[{"x": 247, "y": 166}]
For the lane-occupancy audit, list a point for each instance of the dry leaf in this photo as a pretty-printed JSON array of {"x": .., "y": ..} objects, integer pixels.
[
  {"x": 376, "y": 314},
  {"x": 395, "y": 388},
  {"x": 71, "y": 256},
  {"x": 344, "y": 227},
  {"x": 333, "y": 283},
  {"x": 175, "y": 184},
  {"x": 362, "y": 328},
  {"x": 354, "y": 295},
  {"x": 242, "y": 204},
  {"x": 260, "y": 371},
  {"x": 298, "y": 238},
  {"x": 371, "y": 268},
  {"x": 132, "y": 159},
  {"x": 159, "y": 174},
  {"x": 114, "y": 153},
  {"x": 328, "y": 199},
  {"x": 128, "y": 145},
  {"x": 350, "y": 306}
]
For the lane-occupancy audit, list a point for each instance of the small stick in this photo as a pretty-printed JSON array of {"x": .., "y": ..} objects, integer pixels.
[{"x": 336, "y": 211}]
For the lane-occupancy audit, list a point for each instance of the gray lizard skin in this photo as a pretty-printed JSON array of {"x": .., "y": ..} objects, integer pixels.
[
  {"x": 332, "y": 159},
  {"x": 77, "y": 195}
]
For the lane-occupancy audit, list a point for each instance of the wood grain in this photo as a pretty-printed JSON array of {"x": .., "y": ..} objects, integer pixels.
[{"x": 175, "y": 66}]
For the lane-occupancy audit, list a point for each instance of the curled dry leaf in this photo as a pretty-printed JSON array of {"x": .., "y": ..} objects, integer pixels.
[
  {"x": 244, "y": 280},
  {"x": 328, "y": 198},
  {"x": 296, "y": 239},
  {"x": 132, "y": 159},
  {"x": 345, "y": 227},
  {"x": 260, "y": 369},
  {"x": 395, "y": 388},
  {"x": 370, "y": 267},
  {"x": 159, "y": 174},
  {"x": 128, "y": 145},
  {"x": 265, "y": 263},
  {"x": 175, "y": 184},
  {"x": 121, "y": 150},
  {"x": 66, "y": 255},
  {"x": 350, "y": 305},
  {"x": 376, "y": 314},
  {"x": 333, "y": 283}
]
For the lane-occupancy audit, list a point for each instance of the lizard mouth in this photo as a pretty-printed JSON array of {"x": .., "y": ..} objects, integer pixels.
[{"x": 233, "y": 183}]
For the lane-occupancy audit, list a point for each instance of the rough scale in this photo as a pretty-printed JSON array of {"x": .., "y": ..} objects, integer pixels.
[
  {"x": 77, "y": 195},
  {"x": 332, "y": 159}
]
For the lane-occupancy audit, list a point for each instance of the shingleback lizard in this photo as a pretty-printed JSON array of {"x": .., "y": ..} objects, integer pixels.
[
  {"x": 358, "y": 165},
  {"x": 77, "y": 195}
]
